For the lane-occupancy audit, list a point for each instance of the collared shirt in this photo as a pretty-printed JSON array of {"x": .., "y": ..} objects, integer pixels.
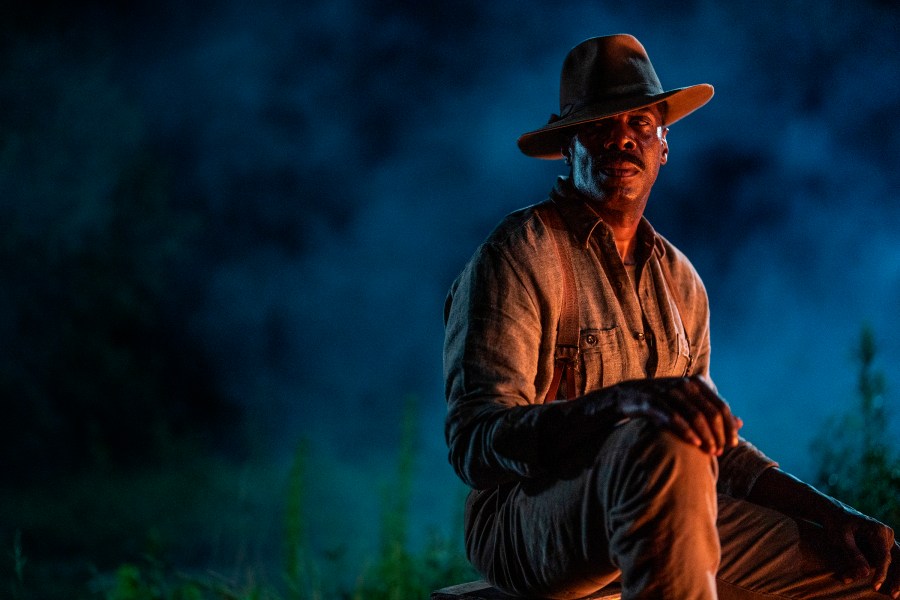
[{"x": 501, "y": 319}]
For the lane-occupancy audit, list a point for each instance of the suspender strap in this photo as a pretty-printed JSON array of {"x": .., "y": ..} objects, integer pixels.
[{"x": 567, "y": 333}]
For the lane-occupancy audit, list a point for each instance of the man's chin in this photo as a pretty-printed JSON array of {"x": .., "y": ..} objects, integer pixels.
[{"x": 618, "y": 199}]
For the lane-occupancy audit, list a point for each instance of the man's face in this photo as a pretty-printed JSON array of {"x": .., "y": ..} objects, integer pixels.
[{"x": 615, "y": 161}]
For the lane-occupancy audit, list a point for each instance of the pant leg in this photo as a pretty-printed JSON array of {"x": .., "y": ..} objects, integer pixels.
[
  {"x": 768, "y": 555},
  {"x": 645, "y": 511}
]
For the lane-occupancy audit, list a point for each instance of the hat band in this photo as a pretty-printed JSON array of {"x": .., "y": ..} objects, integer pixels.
[{"x": 611, "y": 94}]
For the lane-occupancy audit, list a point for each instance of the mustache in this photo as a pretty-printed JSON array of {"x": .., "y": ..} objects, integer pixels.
[{"x": 614, "y": 156}]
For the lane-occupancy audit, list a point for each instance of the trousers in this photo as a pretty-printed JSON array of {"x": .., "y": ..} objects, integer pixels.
[{"x": 646, "y": 513}]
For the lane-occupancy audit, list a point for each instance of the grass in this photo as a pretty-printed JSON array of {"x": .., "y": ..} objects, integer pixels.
[{"x": 206, "y": 528}]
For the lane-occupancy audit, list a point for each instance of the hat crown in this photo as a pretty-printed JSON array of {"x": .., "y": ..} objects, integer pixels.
[
  {"x": 606, "y": 68},
  {"x": 602, "y": 77}
]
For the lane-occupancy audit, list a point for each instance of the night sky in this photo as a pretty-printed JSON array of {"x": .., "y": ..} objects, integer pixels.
[{"x": 342, "y": 160}]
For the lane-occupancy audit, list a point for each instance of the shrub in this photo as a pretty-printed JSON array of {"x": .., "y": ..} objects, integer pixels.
[{"x": 855, "y": 462}]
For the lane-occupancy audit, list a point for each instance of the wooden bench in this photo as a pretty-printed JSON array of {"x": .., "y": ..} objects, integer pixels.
[{"x": 480, "y": 590}]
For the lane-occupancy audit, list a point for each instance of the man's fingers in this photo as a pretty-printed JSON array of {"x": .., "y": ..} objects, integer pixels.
[
  {"x": 857, "y": 567},
  {"x": 691, "y": 409},
  {"x": 683, "y": 429},
  {"x": 686, "y": 407},
  {"x": 882, "y": 543},
  {"x": 891, "y": 584},
  {"x": 718, "y": 418},
  {"x": 736, "y": 423},
  {"x": 881, "y": 571},
  {"x": 722, "y": 422},
  {"x": 716, "y": 423},
  {"x": 732, "y": 425},
  {"x": 705, "y": 431},
  {"x": 693, "y": 405}
]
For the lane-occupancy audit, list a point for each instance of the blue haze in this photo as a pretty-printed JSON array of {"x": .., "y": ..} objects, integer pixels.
[{"x": 349, "y": 156}]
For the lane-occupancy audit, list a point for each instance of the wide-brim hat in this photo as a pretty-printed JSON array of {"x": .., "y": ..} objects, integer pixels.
[{"x": 602, "y": 77}]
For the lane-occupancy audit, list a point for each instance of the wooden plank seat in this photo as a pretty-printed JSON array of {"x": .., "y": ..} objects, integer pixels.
[{"x": 480, "y": 590}]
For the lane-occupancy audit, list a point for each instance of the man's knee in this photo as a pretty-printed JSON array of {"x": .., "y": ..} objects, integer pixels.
[
  {"x": 640, "y": 457},
  {"x": 659, "y": 498}
]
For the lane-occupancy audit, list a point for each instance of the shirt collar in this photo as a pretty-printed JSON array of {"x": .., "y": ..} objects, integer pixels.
[{"x": 584, "y": 222}]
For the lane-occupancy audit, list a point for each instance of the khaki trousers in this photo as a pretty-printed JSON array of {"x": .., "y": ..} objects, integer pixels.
[{"x": 647, "y": 513}]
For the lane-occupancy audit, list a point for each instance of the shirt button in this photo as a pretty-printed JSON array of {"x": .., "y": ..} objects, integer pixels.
[
  {"x": 591, "y": 340},
  {"x": 639, "y": 335}
]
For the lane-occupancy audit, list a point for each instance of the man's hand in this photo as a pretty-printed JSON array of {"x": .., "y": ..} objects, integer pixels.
[
  {"x": 862, "y": 547},
  {"x": 865, "y": 549},
  {"x": 687, "y": 406}
]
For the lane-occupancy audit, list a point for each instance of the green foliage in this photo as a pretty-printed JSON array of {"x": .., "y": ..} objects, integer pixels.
[
  {"x": 152, "y": 582},
  {"x": 856, "y": 463},
  {"x": 17, "y": 585},
  {"x": 395, "y": 575},
  {"x": 398, "y": 573},
  {"x": 299, "y": 570},
  {"x": 132, "y": 584}
]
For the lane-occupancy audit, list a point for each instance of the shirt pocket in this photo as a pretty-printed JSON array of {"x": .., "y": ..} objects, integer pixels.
[
  {"x": 679, "y": 359},
  {"x": 602, "y": 358}
]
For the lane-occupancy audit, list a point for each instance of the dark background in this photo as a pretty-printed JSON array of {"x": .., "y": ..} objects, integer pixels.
[{"x": 230, "y": 226}]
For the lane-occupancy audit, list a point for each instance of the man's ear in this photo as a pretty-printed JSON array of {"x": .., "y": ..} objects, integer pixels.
[
  {"x": 566, "y": 150},
  {"x": 664, "y": 155}
]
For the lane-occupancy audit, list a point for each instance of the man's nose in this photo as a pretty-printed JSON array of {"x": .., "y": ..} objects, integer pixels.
[{"x": 619, "y": 138}]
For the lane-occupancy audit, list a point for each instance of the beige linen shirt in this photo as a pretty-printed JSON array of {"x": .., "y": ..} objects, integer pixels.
[{"x": 501, "y": 321}]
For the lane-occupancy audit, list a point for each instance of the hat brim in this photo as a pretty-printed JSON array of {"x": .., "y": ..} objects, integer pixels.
[{"x": 547, "y": 141}]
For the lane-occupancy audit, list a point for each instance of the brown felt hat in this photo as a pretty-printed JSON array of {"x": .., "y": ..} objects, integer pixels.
[{"x": 602, "y": 77}]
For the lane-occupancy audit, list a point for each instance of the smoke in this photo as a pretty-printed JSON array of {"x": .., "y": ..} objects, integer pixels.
[{"x": 349, "y": 156}]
